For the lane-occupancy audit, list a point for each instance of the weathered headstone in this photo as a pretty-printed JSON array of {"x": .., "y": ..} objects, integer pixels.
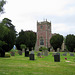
[
  {"x": 46, "y": 53},
  {"x": 39, "y": 54},
  {"x": 64, "y": 54},
  {"x": 23, "y": 50},
  {"x": 42, "y": 53},
  {"x": 19, "y": 52},
  {"x": 32, "y": 52},
  {"x": 71, "y": 54},
  {"x": 31, "y": 55},
  {"x": 58, "y": 49}
]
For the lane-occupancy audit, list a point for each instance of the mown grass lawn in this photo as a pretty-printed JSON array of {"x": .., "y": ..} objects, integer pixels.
[{"x": 20, "y": 65}]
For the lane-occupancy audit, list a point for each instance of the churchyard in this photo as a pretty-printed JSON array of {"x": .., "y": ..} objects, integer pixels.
[{"x": 41, "y": 65}]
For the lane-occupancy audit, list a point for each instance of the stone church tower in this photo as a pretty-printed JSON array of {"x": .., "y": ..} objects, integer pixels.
[{"x": 43, "y": 34}]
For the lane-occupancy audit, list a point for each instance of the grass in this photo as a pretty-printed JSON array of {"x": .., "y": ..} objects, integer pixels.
[{"x": 20, "y": 65}]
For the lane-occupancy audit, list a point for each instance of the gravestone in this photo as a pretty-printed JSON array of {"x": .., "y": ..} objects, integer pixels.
[
  {"x": 58, "y": 49},
  {"x": 57, "y": 57},
  {"x": 39, "y": 54},
  {"x": 32, "y": 52},
  {"x": 26, "y": 53},
  {"x": 23, "y": 50},
  {"x": 71, "y": 54},
  {"x": 42, "y": 53},
  {"x": 31, "y": 55},
  {"x": 64, "y": 54},
  {"x": 19, "y": 52},
  {"x": 46, "y": 53}
]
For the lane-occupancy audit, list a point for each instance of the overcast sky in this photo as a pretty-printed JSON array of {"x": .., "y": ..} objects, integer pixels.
[{"x": 25, "y": 13}]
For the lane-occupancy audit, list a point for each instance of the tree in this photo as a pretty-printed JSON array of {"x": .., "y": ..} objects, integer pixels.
[
  {"x": 26, "y": 37},
  {"x": 3, "y": 30},
  {"x": 56, "y": 41},
  {"x": 70, "y": 42},
  {"x": 11, "y": 36},
  {"x": 2, "y": 2}
]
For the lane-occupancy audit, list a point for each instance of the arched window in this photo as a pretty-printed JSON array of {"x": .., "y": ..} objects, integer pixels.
[{"x": 41, "y": 41}]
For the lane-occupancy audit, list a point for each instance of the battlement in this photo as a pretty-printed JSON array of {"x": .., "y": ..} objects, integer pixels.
[{"x": 44, "y": 23}]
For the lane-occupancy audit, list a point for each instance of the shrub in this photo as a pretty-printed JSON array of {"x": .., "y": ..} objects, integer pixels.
[
  {"x": 7, "y": 54},
  {"x": 13, "y": 52},
  {"x": 43, "y": 48}
]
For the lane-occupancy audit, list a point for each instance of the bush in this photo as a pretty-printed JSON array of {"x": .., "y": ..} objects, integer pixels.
[
  {"x": 43, "y": 48},
  {"x": 7, "y": 54},
  {"x": 13, "y": 52}
]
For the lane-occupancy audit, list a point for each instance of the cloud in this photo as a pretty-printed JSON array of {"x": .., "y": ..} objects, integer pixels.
[
  {"x": 25, "y": 13},
  {"x": 63, "y": 29}
]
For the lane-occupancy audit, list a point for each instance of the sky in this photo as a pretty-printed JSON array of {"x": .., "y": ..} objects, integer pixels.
[{"x": 25, "y": 14}]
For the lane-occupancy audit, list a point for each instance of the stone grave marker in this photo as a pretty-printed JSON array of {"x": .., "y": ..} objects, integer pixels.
[
  {"x": 46, "y": 53},
  {"x": 19, "y": 52},
  {"x": 71, "y": 54},
  {"x": 39, "y": 54},
  {"x": 31, "y": 55},
  {"x": 64, "y": 54},
  {"x": 32, "y": 52},
  {"x": 42, "y": 53},
  {"x": 57, "y": 58},
  {"x": 58, "y": 49},
  {"x": 26, "y": 53}
]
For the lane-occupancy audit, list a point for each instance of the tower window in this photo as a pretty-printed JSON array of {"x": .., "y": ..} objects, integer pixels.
[
  {"x": 41, "y": 41},
  {"x": 41, "y": 27}
]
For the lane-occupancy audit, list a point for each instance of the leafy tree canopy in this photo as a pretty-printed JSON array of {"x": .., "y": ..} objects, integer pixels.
[
  {"x": 70, "y": 42},
  {"x": 2, "y": 2},
  {"x": 26, "y": 37},
  {"x": 8, "y": 33},
  {"x": 56, "y": 41}
]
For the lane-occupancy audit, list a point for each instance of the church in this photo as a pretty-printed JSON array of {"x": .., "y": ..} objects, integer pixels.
[{"x": 43, "y": 34}]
